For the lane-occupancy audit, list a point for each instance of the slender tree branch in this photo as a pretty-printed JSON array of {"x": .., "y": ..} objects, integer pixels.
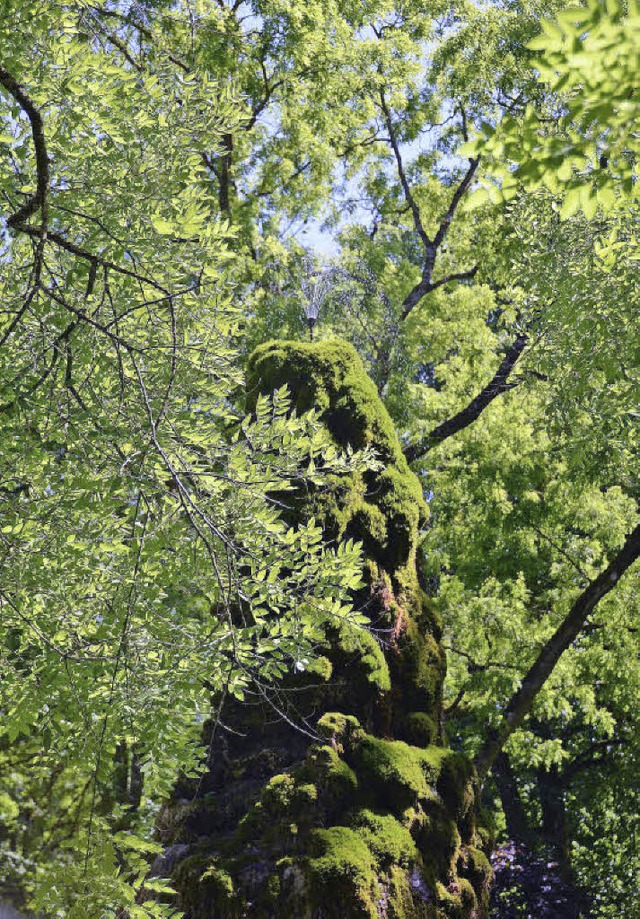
[
  {"x": 475, "y": 666},
  {"x": 122, "y": 48},
  {"x": 562, "y": 552},
  {"x": 455, "y": 276},
  {"x": 415, "y": 210},
  {"x": 589, "y": 758},
  {"x": 432, "y": 246},
  {"x": 269, "y": 89},
  {"x": 498, "y": 385},
  {"x": 125, "y": 19},
  {"x": 540, "y": 671},
  {"x": 91, "y": 257},
  {"x": 448, "y": 711},
  {"x": 445, "y": 223}
]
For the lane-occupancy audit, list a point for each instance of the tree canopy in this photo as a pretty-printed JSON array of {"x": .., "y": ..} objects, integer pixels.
[{"x": 172, "y": 175}]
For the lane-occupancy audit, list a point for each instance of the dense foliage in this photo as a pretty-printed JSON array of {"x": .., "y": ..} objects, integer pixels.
[{"x": 166, "y": 170}]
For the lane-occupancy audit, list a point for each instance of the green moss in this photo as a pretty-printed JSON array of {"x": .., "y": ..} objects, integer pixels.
[
  {"x": 340, "y": 729},
  {"x": 384, "y": 509},
  {"x": 420, "y": 729},
  {"x": 206, "y": 888},
  {"x": 321, "y": 667},
  {"x": 371, "y": 658},
  {"x": 277, "y": 795},
  {"x": 219, "y": 880},
  {"x": 485, "y": 830},
  {"x": 430, "y": 618},
  {"x": 285, "y": 808},
  {"x": 387, "y": 838},
  {"x": 475, "y": 867},
  {"x": 328, "y": 376},
  {"x": 394, "y": 771},
  {"x": 402, "y": 891},
  {"x": 420, "y": 669},
  {"x": 455, "y": 784},
  {"x": 367, "y": 824},
  {"x": 342, "y": 869},
  {"x": 439, "y": 840},
  {"x": 458, "y": 901},
  {"x": 335, "y": 780},
  {"x": 285, "y": 798}
]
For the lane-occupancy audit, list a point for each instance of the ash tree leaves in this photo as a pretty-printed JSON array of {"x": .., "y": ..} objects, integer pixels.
[
  {"x": 583, "y": 145},
  {"x": 137, "y": 503}
]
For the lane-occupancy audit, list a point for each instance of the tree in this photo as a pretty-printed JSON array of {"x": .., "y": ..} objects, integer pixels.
[
  {"x": 160, "y": 162},
  {"x": 144, "y": 563}
]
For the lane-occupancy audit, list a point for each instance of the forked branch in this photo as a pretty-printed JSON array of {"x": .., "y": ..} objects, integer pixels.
[{"x": 431, "y": 246}]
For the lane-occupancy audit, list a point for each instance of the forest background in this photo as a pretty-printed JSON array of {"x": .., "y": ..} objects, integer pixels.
[{"x": 474, "y": 180}]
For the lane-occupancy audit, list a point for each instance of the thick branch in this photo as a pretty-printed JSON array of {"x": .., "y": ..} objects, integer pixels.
[
  {"x": 454, "y": 276},
  {"x": 225, "y": 183},
  {"x": 445, "y": 223},
  {"x": 563, "y": 637},
  {"x": 39, "y": 199},
  {"x": 498, "y": 385},
  {"x": 425, "y": 286}
]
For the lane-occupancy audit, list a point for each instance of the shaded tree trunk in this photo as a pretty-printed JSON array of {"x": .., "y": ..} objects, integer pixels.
[{"x": 518, "y": 828}]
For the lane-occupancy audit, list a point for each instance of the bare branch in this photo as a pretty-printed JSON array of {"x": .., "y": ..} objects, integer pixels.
[{"x": 417, "y": 220}]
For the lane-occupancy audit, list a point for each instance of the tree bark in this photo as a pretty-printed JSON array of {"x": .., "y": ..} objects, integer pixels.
[
  {"x": 518, "y": 828},
  {"x": 555, "y": 831}
]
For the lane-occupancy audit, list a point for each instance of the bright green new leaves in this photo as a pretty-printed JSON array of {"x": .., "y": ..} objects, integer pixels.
[
  {"x": 586, "y": 145},
  {"x": 580, "y": 279},
  {"x": 146, "y": 561}
]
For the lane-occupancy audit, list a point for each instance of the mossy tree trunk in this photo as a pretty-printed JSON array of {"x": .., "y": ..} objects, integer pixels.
[{"x": 333, "y": 796}]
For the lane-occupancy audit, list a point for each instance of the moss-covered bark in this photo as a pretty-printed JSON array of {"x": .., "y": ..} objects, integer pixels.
[{"x": 374, "y": 818}]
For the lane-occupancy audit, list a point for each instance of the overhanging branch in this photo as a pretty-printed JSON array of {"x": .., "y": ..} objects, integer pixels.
[{"x": 38, "y": 200}]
